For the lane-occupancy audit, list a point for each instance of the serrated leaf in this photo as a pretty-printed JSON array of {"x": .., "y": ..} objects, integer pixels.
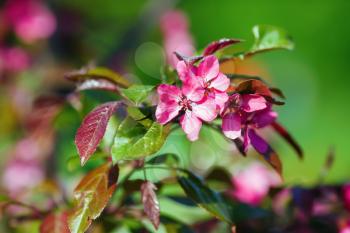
[
  {"x": 91, "y": 197},
  {"x": 98, "y": 73},
  {"x": 55, "y": 223},
  {"x": 269, "y": 37},
  {"x": 204, "y": 197},
  {"x": 219, "y": 44},
  {"x": 137, "y": 93},
  {"x": 97, "y": 84},
  {"x": 93, "y": 128},
  {"x": 134, "y": 141},
  {"x": 150, "y": 202}
]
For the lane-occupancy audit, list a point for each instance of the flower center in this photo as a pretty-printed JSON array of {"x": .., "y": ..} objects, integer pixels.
[{"x": 185, "y": 103}]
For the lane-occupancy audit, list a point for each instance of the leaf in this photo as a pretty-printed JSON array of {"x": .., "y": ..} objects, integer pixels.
[
  {"x": 55, "y": 223},
  {"x": 134, "y": 141},
  {"x": 150, "y": 202},
  {"x": 98, "y": 73},
  {"x": 188, "y": 60},
  {"x": 93, "y": 128},
  {"x": 91, "y": 197},
  {"x": 204, "y": 197},
  {"x": 284, "y": 133},
  {"x": 254, "y": 87},
  {"x": 97, "y": 84},
  {"x": 219, "y": 44},
  {"x": 269, "y": 37},
  {"x": 138, "y": 116},
  {"x": 137, "y": 93}
]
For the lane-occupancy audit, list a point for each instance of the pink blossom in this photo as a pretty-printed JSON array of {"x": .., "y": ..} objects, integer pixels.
[
  {"x": 190, "y": 102},
  {"x": 30, "y": 19},
  {"x": 21, "y": 175},
  {"x": 252, "y": 184},
  {"x": 13, "y": 59},
  {"x": 345, "y": 228},
  {"x": 208, "y": 76},
  {"x": 174, "y": 26},
  {"x": 346, "y": 196},
  {"x": 243, "y": 114}
]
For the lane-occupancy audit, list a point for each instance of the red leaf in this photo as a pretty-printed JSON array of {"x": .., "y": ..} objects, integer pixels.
[
  {"x": 219, "y": 44},
  {"x": 55, "y": 223},
  {"x": 150, "y": 202},
  {"x": 93, "y": 129},
  {"x": 284, "y": 133}
]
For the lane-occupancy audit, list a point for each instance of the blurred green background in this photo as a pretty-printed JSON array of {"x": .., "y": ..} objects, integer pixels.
[{"x": 314, "y": 76}]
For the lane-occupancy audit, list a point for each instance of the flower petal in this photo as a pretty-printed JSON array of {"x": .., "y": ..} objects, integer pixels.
[
  {"x": 168, "y": 93},
  {"x": 205, "y": 110},
  {"x": 231, "y": 125},
  {"x": 253, "y": 102},
  {"x": 165, "y": 113},
  {"x": 193, "y": 89},
  {"x": 191, "y": 125},
  {"x": 264, "y": 118},
  {"x": 220, "y": 83},
  {"x": 208, "y": 68},
  {"x": 182, "y": 70},
  {"x": 259, "y": 144},
  {"x": 220, "y": 100}
]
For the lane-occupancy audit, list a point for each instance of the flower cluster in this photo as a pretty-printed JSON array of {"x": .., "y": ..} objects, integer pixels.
[
  {"x": 201, "y": 97},
  {"x": 204, "y": 95}
]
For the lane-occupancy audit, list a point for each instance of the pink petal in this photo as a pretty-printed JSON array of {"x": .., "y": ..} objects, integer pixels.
[
  {"x": 208, "y": 68},
  {"x": 264, "y": 118},
  {"x": 193, "y": 89},
  {"x": 182, "y": 70},
  {"x": 191, "y": 125},
  {"x": 205, "y": 110},
  {"x": 246, "y": 140},
  {"x": 220, "y": 99},
  {"x": 220, "y": 83},
  {"x": 259, "y": 144},
  {"x": 166, "y": 113},
  {"x": 168, "y": 93},
  {"x": 253, "y": 102},
  {"x": 231, "y": 125}
]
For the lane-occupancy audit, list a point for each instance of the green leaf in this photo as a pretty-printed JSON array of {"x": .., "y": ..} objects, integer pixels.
[
  {"x": 91, "y": 197},
  {"x": 269, "y": 37},
  {"x": 204, "y": 197},
  {"x": 137, "y": 93},
  {"x": 134, "y": 141},
  {"x": 138, "y": 116},
  {"x": 97, "y": 73}
]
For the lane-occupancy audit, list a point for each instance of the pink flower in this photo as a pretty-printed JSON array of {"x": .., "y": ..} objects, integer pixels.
[
  {"x": 243, "y": 114},
  {"x": 345, "y": 228},
  {"x": 346, "y": 195},
  {"x": 252, "y": 184},
  {"x": 176, "y": 36},
  {"x": 13, "y": 59},
  {"x": 190, "y": 102},
  {"x": 21, "y": 175},
  {"x": 30, "y": 19},
  {"x": 207, "y": 76}
]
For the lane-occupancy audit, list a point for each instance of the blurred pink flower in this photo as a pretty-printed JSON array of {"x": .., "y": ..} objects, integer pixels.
[
  {"x": 21, "y": 175},
  {"x": 174, "y": 27},
  {"x": 208, "y": 76},
  {"x": 346, "y": 195},
  {"x": 30, "y": 19},
  {"x": 345, "y": 228},
  {"x": 13, "y": 59},
  {"x": 252, "y": 184},
  {"x": 243, "y": 114},
  {"x": 191, "y": 102}
]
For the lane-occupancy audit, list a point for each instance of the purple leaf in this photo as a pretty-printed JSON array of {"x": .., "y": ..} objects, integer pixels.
[
  {"x": 284, "y": 133},
  {"x": 219, "y": 44},
  {"x": 93, "y": 128},
  {"x": 188, "y": 60},
  {"x": 150, "y": 202}
]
